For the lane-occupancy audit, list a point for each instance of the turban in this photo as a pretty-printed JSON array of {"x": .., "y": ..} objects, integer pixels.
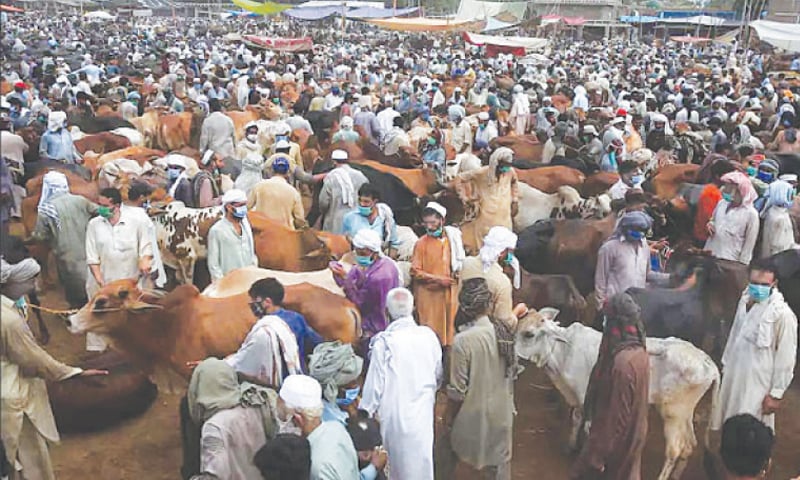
[
  {"x": 56, "y": 120},
  {"x": 502, "y": 154},
  {"x": 633, "y": 221},
  {"x": 339, "y": 155},
  {"x": 499, "y": 239},
  {"x": 213, "y": 387},
  {"x": 438, "y": 208},
  {"x": 474, "y": 298},
  {"x": 177, "y": 161},
  {"x": 779, "y": 194},
  {"x": 234, "y": 196},
  {"x": 334, "y": 365},
  {"x": 483, "y": 116},
  {"x": 54, "y": 184},
  {"x": 301, "y": 391},
  {"x": 347, "y": 122},
  {"x": 741, "y": 181},
  {"x": 367, "y": 238}
]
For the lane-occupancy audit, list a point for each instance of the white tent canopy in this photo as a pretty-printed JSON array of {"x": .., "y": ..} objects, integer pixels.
[
  {"x": 777, "y": 34},
  {"x": 476, "y": 9},
  {"x": 696, "y": 20},
  {"x": 99, "y": 15},
  {"x": 528, "y": 43}
]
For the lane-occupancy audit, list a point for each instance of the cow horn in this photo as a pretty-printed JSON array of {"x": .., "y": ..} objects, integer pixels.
[{"x": 139, "y": 307}]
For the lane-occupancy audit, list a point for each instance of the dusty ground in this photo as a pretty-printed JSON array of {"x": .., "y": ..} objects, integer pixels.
[{"x": 149, "y": 446}]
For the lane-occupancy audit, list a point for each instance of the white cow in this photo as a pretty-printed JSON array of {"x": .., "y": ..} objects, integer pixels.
[
  {"x": 680, "y": 374},
  {"x": 535, "y": 205},
  {"x": 463, "y": 162}
]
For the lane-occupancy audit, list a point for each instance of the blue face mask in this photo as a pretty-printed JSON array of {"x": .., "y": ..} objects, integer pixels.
[
  {"x": 509, "y": 258},
  {"x": 435, "y": 233},
  {"x": 364, "y": 260},
  {"x": 364, "y": 211},
  {"x": 173, "y": 173},
  {"x": 637, "y": 179},
  {"x": 240, "y": 212},
  {"x": 751, "y": 171},
  {"x": 635, "y": 235},
  {"x": 728, "y": 197},
  {"x": 759, "y": 293},
  {"x": 350, "y": 396},
  {"x": 278, "y": 138},
  {"x": 766, "y": 177}
]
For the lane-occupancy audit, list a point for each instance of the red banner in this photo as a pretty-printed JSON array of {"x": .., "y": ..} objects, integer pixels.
[{"x": 280, "y": 44}]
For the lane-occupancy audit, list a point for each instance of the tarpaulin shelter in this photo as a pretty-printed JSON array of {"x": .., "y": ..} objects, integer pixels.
[
  {"x": 571, "y": 21},
  {"x": 514, "y": 45},
  {"x": 10, "y": 8},
  {"x": 364, "y": 13},
  {"x": 423, "y": 24},
  {"x": 638, "y": 19},
  {"x": 313, "y": 13},
  {"x": 493, "y": 25},
  {"x": 339, "y": 3},
  {"x": 279, "y": 44},
  {"x": 689, "y": 39},
  {"x": 706, "y": 20},
  {"x": 777, "y": 34},
  {"x": 99, "y": 15},
  {"x": 267, "y": 8},
  {"x": 477, "y": 9}
]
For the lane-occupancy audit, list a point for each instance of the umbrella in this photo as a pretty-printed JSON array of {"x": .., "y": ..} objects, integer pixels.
[{"x": 267, "y": 8}]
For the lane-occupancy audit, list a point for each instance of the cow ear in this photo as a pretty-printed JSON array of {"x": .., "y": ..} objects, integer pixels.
[{"x": 549, "y": 313}]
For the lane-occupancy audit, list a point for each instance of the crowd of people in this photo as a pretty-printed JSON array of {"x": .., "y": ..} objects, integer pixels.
[{"x": 289, "y": 404}]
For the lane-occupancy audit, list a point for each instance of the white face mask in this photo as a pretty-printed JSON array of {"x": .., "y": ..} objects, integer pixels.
[{"x": 252, "y": 137}]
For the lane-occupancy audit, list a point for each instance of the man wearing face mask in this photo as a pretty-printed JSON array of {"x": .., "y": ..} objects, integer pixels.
[
  {"x": 118, "y": 246},
  {"x": 180, "y": 186},
  {"x": 624, "y": 259},
  {"x": 230, "y": 239},
  {"x": 300, "y": 408},
  {"x": 759, "y": 358},
  {"x": 487, "y": 131},
  {"x": 366, "y": 285},
  {"x": 277, "y": 199},
  {"x": 337, "y": 368},
  {"x": 435, "y": 266},
  {"x": 371, "y": 213},
  {"x": 630, "y": 176},
  {"x": 778, "y": 233},
  {"x": 733, "y": 228},
  {"x": 333, "y": 99}
]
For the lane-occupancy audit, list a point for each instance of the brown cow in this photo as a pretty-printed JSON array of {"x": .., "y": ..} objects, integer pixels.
[
  {"x": 141, "y": 155},
  {"x": 147, "y": 125},
  {"x": 557, "y": 291},
  {"x": 337, "y": 244},
  {"x": 598, "y": 183},
  {"x": 102, "y": 142},
  {"x": 279, "y": 248},
  {"x": 527, "y": 148},
  {"x": 179, "y": 129},
  {"x": 184, "y": 326},
  {"x": 421, "y": 181},
  {"x": 667, "y": 181},
  {"x": 549, "y": 179}
]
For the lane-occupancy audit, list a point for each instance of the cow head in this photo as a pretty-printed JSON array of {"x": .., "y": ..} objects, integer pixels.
[
  {"x": 110, "y": 309},
  {"x": 536, "y": 335},
  {"x": 316, "y": 252}
]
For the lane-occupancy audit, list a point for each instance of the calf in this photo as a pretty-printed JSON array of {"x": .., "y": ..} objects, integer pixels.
[
  {"x": 535, "y": 205},
  {"x": 680, "y": 375}
]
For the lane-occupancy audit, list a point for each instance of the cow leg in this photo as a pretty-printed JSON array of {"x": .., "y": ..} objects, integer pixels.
[
  {"x": 186, "y": 271},
  {"x": 576, "y": 415},
  {"x": 679, "y": 437}
]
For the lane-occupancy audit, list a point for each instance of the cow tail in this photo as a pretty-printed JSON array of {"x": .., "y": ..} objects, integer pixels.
[
  {"x": 356, "y": 322},
  {"x": 715, "y": 386}
]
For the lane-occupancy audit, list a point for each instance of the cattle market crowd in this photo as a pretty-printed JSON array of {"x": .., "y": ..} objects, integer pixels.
[{"x": 350, "y": 253}]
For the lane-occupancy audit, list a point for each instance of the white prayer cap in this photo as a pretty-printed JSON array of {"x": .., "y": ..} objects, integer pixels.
[
  {"x": 518, "y": 89},
  {"x": 347, "y": 122},
  {"x": 339, "y": 155},
  {"x": 301, "y": 391},
  {"x": 234, "y": 196},
  {"x": 616, "y": 121},
  {"x": 282, "y": 144},
  {"x": 483, "y": 116},
  {"x": 177, "y": 161},
  {"x": 367, "y": 238},
  {"x": 589, "y": 129},
  {"x": 438, "y": 208}
]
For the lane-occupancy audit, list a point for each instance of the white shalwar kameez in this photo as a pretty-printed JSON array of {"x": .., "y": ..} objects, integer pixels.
[
  {"x": 759, "y": 358},
  {"x": 735, "y": 232},
  {"x": 404, "y": 373},
  {"x": 778, "y": 234},
  {"x": 520, "y": 113}
]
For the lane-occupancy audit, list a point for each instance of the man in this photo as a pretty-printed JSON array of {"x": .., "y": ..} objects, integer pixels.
[
  {"x": 62, "y": 219},
  {"x": 180, "y": 185},
  {"x": 435, "y": 267},
  {"x": 746, "y": 448},
  {"x": 759, "y": 358},
  {"x": 285, "y": 148},
  {"x": 333, "y": 456},
  {"x": 337, "y": 369},
  {"x": 338, "y": 194},
  {"x": 230, "y": 239},
  {"x": 617, "y": 398},
  {"x": 387, "y": 116},
  {"x": 630, "y": 176},
  {"x": 487, "y": 131},
  {"x": 592, "y": 146},
  {"x": 346, "y": 133},
  {"x": 718, "y": 136},
  {"x": 497, "y": 254},
  {"x": 287, "y": 456},
  {"x": 258, "y": 360},
  {"x": 374, "y": 215},
  {"x": 269, "y": 301},
  {"x": 395, "y": 139},
  {"x": 277, "y": 199},
  {"x": 234, "y": 421},
  {"x": 400, "y": 388},
  {"x": 27, "y": 418},
  {"x": 520, "y": 111},
  {"x": 12, "y": 146},
  {"x": 368, "y": 282},
  {"x": 138, "y": 194},
  {"x": 56, "y": 143},
  {"x": 118, "y": 246},
  {"x": 130, "y": 107},
  {"x": 218, "y": 132},
  {"x": 461, "y": 138},
  {"x": 733, "y": 228},
  {"x": 479, "y": 417},
  {"x": 708, "y": 199},
  {"x": 490, "y": 194},
  {"x": 205, "y": 183},
  {"x": 366, "y": 122},
  {"x": 624, "y": 259}
]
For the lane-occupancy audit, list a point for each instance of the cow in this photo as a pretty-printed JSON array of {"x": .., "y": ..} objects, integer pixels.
[
  {"x": 668, "y": 180},
  {"x": 182, "y": 235},
  {"x": 184, "y": 326},
  {"x": 420, "y": 181},
  {"x": 548, "y": 179},
  {"x": 140, "y": 155},
  {"x": 535, "y": 205},
  {"x": 598, "y": 183},
  {"x": 403, "y": 201},
  {"x": 101, "y": 142},
  {"x": 239, "y": 280},
  {"x": 557, "y": 291},
  {"x": 680, "y": 375},
  {"x": 527, "y": 148},
  {"x": 180, "y": 129},
  {"x": 85, "y": 404},
  {"x": 97, "y": 124}
]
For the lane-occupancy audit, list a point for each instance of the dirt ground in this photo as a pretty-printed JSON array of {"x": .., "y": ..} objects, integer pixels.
[{"x": 149, "y": 446}]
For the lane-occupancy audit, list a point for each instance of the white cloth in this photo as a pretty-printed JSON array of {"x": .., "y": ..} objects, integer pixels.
[
  {"x": 301, "y": 391},
  {"x": 778, "y": 234},
  {"x": 229, "y": 441},
  {"x": 342, "y": 179},
  {"x": 618, "y": 190},
  {"x": 268, "y": 345},
  {"x": 54, "y": 184},
  {"x": 386, "y": 118},
  {"x": 457, "y": 253},
  {"x": 400, "y": 387},
  {"x": 759, "y": 358},
  {"x": 56, "y": 120},
  {"x": 735, "y": 232},
  {"x": 497, "y": 240},
  {"x": 157, "y": 263}
]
